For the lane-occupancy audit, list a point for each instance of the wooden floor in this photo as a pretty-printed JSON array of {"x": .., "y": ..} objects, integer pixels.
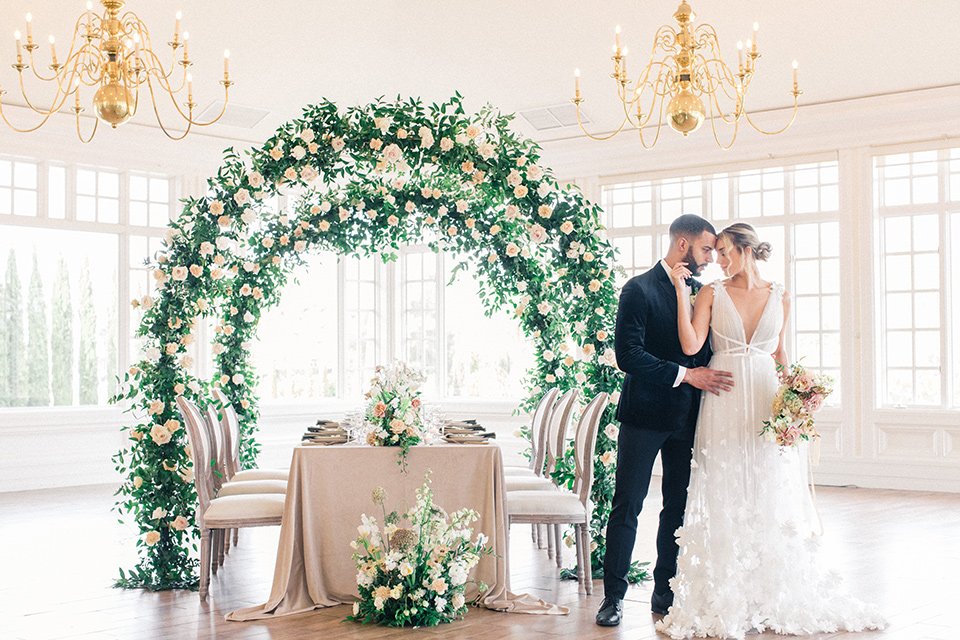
[{"x": 61, "y": 550}]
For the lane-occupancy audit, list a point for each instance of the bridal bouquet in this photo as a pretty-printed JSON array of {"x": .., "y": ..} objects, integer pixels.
[
  {"x": 415, "y": 575},
  {"x": 393, "y": 414},
  {"x": 801, "y": 393}
]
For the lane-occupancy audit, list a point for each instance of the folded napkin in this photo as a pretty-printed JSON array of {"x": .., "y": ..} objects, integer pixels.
[
  {"x": 327, "y": 423},
  {"x": 478, "y": 432},
  {"x": 464, "y": 424},
  {"x": 327, "y": 428}
]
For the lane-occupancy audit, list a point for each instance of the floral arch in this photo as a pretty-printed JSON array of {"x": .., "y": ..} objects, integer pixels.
[{"x": 365, "y": 180}]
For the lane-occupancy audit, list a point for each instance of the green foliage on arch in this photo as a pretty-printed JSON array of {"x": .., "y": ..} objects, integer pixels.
[{"x": 365, "y": 180}]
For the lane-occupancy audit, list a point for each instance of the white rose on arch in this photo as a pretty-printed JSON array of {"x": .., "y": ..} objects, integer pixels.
[
  {"x": 608, "y": 357},
  {"x": 537, "y": 234}
]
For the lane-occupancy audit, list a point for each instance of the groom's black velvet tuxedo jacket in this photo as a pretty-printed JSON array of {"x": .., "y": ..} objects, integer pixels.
[{"x": 649, "y": 352}]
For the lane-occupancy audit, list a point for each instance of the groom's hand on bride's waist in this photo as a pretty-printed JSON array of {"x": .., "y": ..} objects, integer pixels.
[{"x": 709, "y": 379}]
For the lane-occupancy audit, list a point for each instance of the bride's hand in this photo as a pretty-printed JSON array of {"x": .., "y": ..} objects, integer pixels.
[{"x": 679, "y": 275}]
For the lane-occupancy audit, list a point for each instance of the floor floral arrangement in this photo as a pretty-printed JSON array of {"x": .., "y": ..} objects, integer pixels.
[
  {"x": 394, "y": 417},
  {"x": 415, "y": 575}
]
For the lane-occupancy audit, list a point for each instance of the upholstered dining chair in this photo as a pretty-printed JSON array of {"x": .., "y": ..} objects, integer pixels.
[
  {"x": 538, "y": 432},
  {"x": 231, "y": 443},
  {"x": 224, "y": 487},
  {"x": 215, "y": 515},
  {"x": 555, "y": 437},
  {"x": 538, "y": 452},
  {"x": 563, "y": 506}
]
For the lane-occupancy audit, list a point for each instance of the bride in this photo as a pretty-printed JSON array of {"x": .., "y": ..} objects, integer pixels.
[{"x": 750, "y": 538}]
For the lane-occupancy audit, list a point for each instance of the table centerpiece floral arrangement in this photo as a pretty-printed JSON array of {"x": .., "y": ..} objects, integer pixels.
[
  {"x": 393, "y": 415},
  {"x": 800, "y": 395},
  {"x": 415, "y": 575}
]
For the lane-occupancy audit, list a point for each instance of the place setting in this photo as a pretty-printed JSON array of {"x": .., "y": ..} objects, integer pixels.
[
  {"x": 325, "y": 433},
  {"x": 465, "y": 432}
]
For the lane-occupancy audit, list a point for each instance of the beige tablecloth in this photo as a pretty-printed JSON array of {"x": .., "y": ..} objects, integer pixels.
[{"x": 330, "y": 487}]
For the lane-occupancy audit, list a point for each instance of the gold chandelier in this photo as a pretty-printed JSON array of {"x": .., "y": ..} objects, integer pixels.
[
  {"x": 689, "y": 72},
  {"x": 114, "y": 53}
]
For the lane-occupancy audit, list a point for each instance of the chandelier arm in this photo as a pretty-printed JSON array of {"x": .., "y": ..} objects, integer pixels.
[
  {"x": 156, "y": 68},
  {"x": 93, "y": 132},
  {"x": 226, "y": 94},
  {"x": 160, "y": 121},
  {"x": 721, "y": 78},
  {"x": 738, "y": 110},
  {"x": 716, "y": 138},
  {"x": 659, "y": 127},
  {"x": 46, "y": 117},
  {"x": 793, "y": 117},
  {"x": 579, "y": 122},
  {"x": 61, "y": 96}
]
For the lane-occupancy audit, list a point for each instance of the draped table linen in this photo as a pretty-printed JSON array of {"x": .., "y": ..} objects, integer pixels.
[{"x": 330, "y": 488}]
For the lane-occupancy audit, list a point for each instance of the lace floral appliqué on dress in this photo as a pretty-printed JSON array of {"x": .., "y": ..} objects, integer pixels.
[{"x": 749, "y": 546}]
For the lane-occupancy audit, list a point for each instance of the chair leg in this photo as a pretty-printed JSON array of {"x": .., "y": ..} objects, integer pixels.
[
  {"x": 533, "y": 533},
  {"x": 559, "y": 547},
  {"x": 550, "y": 541},
  {"x": 236, "y": 537},
  {"x": 581, "y": 560},
  {"x": 221, "y": 544},
  {"x": 540, "y": 537},
  {"x": 205, "y": 554},
  {"x": 226, "y": 540},
  {"x": 587, "y": 555}
]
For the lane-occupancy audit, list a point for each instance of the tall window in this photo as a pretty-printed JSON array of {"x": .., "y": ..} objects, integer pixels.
[
  {"x": 418, "y": 312},
  {"x": 68, "y": 246},
  {"x": 361, "y": 323},
  {"x": 917, "y": 199},
  {"x": 296, "y": 350},
  {"x": 795, "y": 208}
]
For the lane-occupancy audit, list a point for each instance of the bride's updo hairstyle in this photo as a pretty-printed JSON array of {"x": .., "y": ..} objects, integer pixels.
[{"x": 743, "y": 236}]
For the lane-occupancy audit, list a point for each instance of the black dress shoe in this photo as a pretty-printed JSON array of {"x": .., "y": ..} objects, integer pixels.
[
  {"x": 611, "y": 610},
  {"x": 661, "y": 602}
]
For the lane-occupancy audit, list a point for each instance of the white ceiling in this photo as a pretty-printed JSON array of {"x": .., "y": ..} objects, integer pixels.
[{"x": 515, "y": 55}]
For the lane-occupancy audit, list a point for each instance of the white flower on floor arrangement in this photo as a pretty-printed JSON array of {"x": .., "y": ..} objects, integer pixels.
[
  {"x": 394, "y": 417},
  {"x": 801, "y": 393},
  {"x": 415, "y": 576}
]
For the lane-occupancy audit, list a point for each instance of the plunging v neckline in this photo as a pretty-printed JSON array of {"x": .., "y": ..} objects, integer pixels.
[{"x": 743, "y": 329}]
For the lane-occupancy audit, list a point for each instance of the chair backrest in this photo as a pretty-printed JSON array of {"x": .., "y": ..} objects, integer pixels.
[
  {"x": 586, "y": 443},
  {"x": 230, "y": 427},
  {"x": 211, "y": 420},
  {"x": 557, "y": 429},
  {"x": 200, "y": 445},
  {"x": 538, "y": 429}
]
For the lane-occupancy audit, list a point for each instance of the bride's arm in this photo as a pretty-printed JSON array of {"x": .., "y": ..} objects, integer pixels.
[
  {"x": 780, "y": 355},
  {"x": 693, "y": 331}
]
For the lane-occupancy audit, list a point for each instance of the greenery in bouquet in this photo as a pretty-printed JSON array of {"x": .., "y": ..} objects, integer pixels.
[
  {"x": 394, "y": 417},
  {"x": 415, "y": 575},
  {"x": 800, "y": 395}
]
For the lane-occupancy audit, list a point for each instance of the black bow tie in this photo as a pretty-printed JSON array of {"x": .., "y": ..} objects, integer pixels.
[{"x": 689, "y": 282}]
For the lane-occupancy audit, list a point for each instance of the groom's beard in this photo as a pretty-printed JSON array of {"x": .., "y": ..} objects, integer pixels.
[{"x": 692, "y": 265}]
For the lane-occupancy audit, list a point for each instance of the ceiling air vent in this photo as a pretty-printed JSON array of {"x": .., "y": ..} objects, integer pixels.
[
  {"x": 237, "y": 115},
  {"x": 555, "y": 117}
]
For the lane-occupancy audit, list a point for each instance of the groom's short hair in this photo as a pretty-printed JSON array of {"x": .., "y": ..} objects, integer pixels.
[{"x": 690, "y": 227}]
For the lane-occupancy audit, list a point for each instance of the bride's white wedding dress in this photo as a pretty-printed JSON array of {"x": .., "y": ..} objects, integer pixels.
[{"x": 749, "y": 542}]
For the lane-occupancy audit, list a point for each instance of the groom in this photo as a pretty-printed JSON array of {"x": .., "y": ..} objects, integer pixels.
[{"x": 658, "y": 414}]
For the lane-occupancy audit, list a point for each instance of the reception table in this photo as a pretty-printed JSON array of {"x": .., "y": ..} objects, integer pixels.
[{"x": 330, "y": 487}]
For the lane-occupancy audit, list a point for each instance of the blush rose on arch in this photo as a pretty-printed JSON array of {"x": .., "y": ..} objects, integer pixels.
[{"x": 363, "y": 180}]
